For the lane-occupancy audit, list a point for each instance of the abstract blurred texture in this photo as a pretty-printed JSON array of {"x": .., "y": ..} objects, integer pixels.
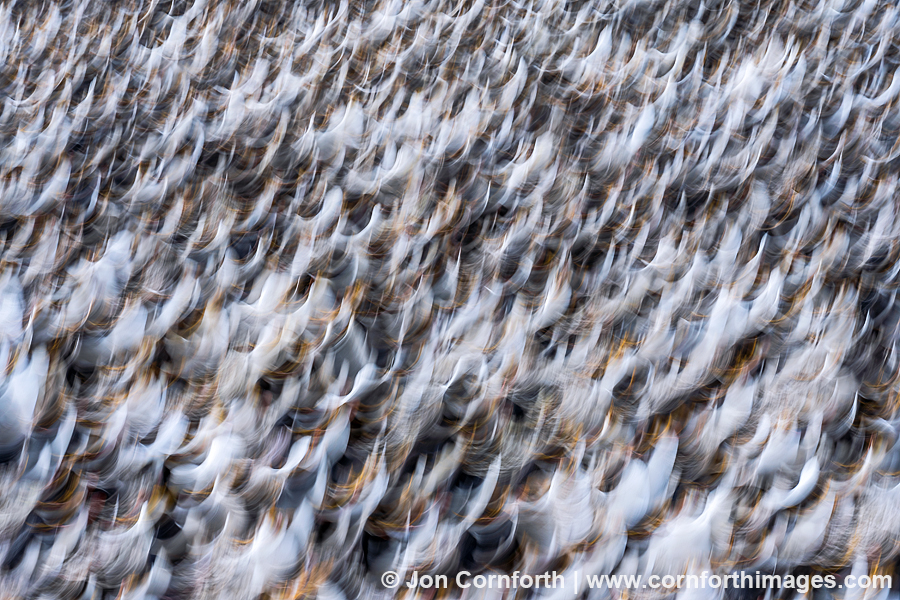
[{"x": 295, "y": 293}]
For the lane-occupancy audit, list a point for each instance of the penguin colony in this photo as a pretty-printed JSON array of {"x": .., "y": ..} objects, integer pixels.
[{"x": 294, "y": 293}]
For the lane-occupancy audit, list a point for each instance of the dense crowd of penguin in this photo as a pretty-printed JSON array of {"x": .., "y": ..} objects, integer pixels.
[{"x": 296, "y": 293}]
